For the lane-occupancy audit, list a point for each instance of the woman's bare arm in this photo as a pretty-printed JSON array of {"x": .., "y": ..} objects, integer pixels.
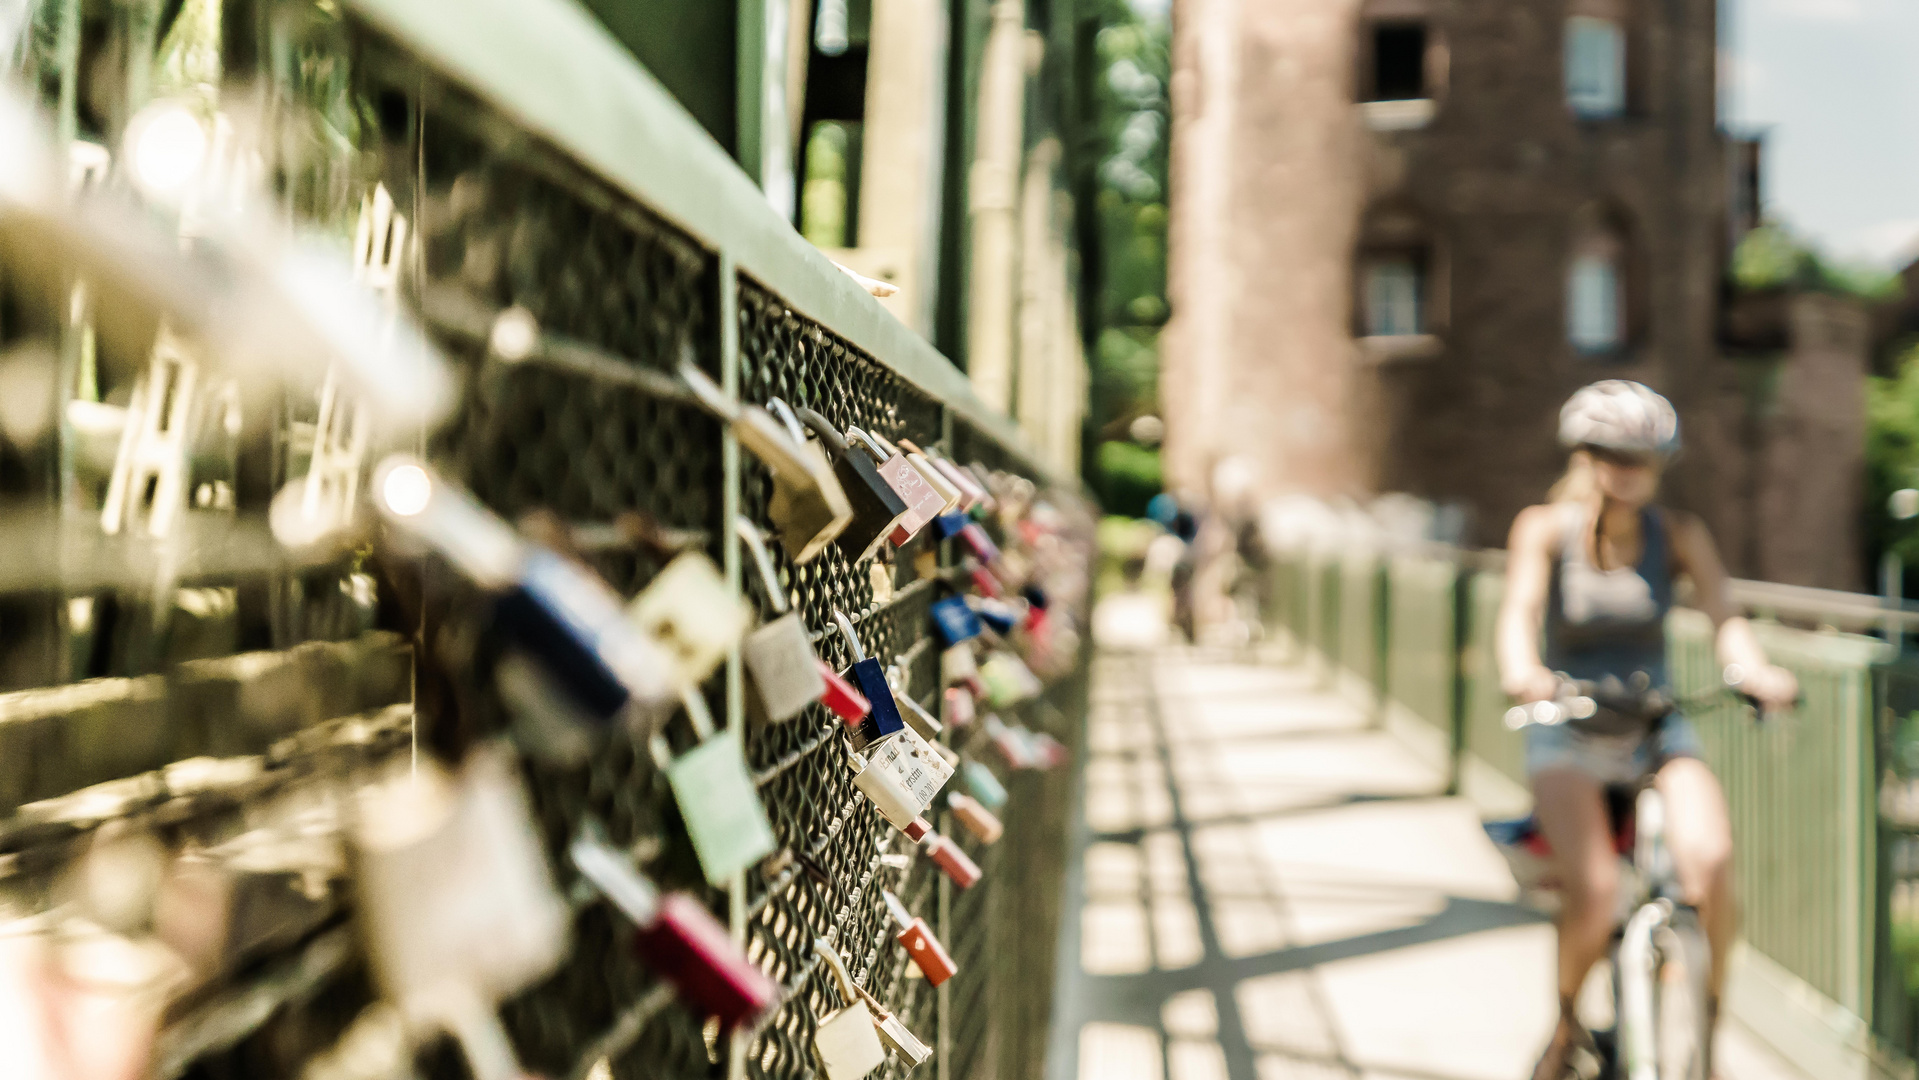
[
  {"x": 1697, "y": 557},
  {"x": 1522, "y": 610}
]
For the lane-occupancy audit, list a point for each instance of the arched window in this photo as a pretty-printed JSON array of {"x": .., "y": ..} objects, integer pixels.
[
  {"x": 1596, "y": 59},
  {"x": 1598, "y": 285}
]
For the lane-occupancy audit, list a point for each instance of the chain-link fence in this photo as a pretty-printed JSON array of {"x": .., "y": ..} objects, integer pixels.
[{"x": 223, "y": 708}]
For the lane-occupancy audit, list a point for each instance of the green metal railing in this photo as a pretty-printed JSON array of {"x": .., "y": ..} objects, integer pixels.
[
  {"x": 1802, "y": 789},
  {"x": 540, "y": 168}
]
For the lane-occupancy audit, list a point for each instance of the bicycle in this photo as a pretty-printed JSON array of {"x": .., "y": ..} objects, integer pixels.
[{"x": 1660, "y": 958}]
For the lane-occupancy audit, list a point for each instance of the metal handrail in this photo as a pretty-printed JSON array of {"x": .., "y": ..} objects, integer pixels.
[{"x": 553, "y": 69}]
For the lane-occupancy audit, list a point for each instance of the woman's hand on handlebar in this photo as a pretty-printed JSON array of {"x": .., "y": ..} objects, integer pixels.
[
  {"x": 1772, "y": 686},
  {"x": 1537, "y": 683}
]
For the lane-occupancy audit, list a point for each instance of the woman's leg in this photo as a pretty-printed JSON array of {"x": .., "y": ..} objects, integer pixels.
[
  {"x": 1699, "y": 835},
  {"x": 1572, "y": 810}
]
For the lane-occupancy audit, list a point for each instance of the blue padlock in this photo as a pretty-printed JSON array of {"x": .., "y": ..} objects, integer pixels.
[
  {"x": 545, "y": 608},
  {"x": 867, "y": 674},
  {"x": 950, "y": 525},
  {"x": 998, "y": 614},
  {"x": 955, "y": 621}
]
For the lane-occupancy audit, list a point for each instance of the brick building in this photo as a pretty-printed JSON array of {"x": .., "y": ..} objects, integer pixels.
[{"x": 1404, "y": 231}]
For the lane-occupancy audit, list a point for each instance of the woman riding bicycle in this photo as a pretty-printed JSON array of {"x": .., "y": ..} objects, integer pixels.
[{"x": 1593, "y": 571}]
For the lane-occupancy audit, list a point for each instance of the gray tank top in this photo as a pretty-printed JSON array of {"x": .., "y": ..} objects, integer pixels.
[{"x": 1609, "y": 622}]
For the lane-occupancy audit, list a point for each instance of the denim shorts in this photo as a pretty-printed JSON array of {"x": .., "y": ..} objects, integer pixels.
[{"x": 1611, "y": 759}]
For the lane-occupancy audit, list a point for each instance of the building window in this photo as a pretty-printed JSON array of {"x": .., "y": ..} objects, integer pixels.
[
  {"x": 1595, "y": 67},
  {"x": 1392, "y": 297},
  {"x": 1594, "y": 324},
  {"x": 1399, "y": 62}
]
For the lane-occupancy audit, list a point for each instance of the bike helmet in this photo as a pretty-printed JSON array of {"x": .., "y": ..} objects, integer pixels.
[{"x": 1619, "y": 414}]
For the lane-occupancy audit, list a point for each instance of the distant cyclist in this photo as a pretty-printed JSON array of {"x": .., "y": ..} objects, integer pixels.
[{"x": 1593, "y": 570}]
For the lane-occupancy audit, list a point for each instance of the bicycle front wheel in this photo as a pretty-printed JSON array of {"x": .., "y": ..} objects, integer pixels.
[{"x": 1682, "y": 978}]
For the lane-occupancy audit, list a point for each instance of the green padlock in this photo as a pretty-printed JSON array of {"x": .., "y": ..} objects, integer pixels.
[{"x": 717, "y": 797}]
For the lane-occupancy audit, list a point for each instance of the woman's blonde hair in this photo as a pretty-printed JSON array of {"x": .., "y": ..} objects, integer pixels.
[{"x": 1577, "y": 484}]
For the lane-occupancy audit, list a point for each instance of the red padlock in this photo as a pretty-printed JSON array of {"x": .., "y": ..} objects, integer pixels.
[
  {"x": 925, "y": 950},
  {"x": 985, "y": 581},
  {"x": 964, "y": 872},
  {"x": 676, "y": 936},
  {"x": 846, "y": 702},
  {"x": 979, "y": 821}
]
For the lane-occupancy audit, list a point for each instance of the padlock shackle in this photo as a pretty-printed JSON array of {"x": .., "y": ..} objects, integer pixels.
[
  {"x": 756, "y": 545},
  {"x": 824, "y": 428},
  {"x": 896, "y": 908},
  {"x": 784, "y": 414},
  {"x": 873, "y": 443},
  {"x": 707, "y": 393},
  {"x": 846, "y": 631},
  {"x": 831, "y": 957}
]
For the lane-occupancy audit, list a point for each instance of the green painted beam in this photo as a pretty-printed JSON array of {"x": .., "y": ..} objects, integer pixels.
[{"x": 550, "y": 67}]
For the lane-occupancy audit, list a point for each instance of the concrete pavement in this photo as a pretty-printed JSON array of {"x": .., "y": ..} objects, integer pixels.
[{"x": 1265, "y": 888}]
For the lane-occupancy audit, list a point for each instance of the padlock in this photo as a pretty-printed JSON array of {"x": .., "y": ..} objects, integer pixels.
[
  {"x": 984, "y": 580},
  {"x": 676, "y": 936},
  {"x": 1002, "y": 616},
  {"x": 984, "y": 786},
  {"x": 973, "y": 535},
  {"x": 954, "y": 621},
  {"x": 455, "y": 901},
  {"x": 877, "y": 508},
  {"x": 884, "y": 719},
  {"x": 893, "y": 1031},
  {"x": 923, "y": 502},
  {"x": 716, "y": 795},
  {"x": 809, "y": 504},
  {"x": 917, "y": 718},
  {"x": 916, "y": 937},
  {"x": 320, "y": 504},
  {"x": 1013, "y": 743},
  {"x": 949, "y": 491},
  {"x": 779, "y": 657},
  {"x": 846, "y": 1041},
  {"x": 688, "y": 610},
  {"x": 959, "y": 665},
  {"x": 1008, "y": 680},
  {"x": 985, "y": 826},
  {"x": 971, "y": 493},
  {"x": 880, "y": 573},
  {"x": 811, "y": 507},
  {"x": 960, "y": 707},
  {"x": 843, "y": 698},
  {"x": 958, "y": 867},
  {"x": 947, "y": 526},
  {"x": 569, "y": 648},
  {"x": 900, "y": 775}
]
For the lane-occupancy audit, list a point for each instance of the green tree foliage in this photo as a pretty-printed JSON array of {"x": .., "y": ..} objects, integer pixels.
[
  {"x": 1892, "y": 457},
  {"x": 1771, "y": 257},
  {"x": 1127, "y": 128}
]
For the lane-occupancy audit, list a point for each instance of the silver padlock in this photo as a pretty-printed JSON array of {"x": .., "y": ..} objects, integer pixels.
[
  {"x": 779, "y": 657},
  {"x": 456, "y": 903},
  {"x": 893, "y": 1031},
  {"x": 846, "y": 1041},
  {"x": 901, "y": 775}
]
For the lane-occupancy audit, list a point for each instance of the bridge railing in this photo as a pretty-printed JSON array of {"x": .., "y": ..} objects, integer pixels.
[
  {"x": 1829, "y": 912},
  {"x": 540, "y": 168}
]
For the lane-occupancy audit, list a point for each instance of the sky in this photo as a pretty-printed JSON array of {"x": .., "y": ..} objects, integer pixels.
[{"x": 1834, "y": 84}]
